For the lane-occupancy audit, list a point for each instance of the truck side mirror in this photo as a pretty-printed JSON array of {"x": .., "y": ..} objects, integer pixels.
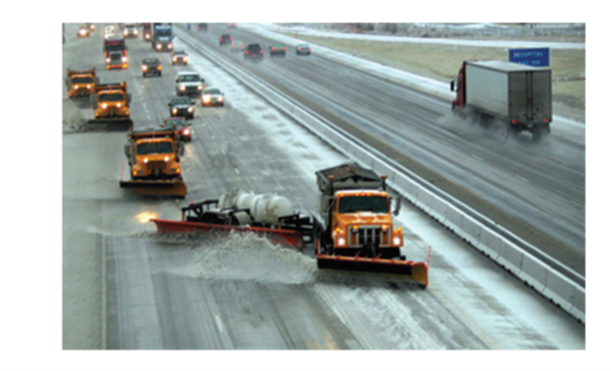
[
  {"x": 452, "y": 85},
  {"x": 397, "y": 209}
]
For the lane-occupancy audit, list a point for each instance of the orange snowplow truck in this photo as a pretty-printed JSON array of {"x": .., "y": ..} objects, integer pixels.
[
  {"x": 357, "y": 229},
  {"x": 81, "y": 83},
  {"x": 154, "y": 160},
  {"x": 111, "y": 105}
]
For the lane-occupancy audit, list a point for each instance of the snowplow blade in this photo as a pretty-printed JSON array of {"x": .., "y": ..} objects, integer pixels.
[
  {"x": 176, "y": 188},
  {"x": 276, "y": 236},
  {"x": 417, "y": 272},
  {"x": 115, "y": 123}
]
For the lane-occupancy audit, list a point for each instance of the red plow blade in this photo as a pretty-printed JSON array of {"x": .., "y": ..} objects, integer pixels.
[{"x": 277, "y": 236}]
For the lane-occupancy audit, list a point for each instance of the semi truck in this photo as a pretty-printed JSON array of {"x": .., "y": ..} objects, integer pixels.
[
  {"x": 115, "y": 52},
  {"x": 161, "y": 38},
  {"x": 518, "y": 97}
]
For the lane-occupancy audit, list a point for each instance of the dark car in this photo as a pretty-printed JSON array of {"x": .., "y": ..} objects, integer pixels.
[
  {"x": 163, "y": 43},
  {"x": 182, "y": 106},
  {"x": 180, "y": 56},
  {"x": 182, "y": 126},
  {"x": 253, "y": 52},
  {"x": 151, "y": 66},
  {"x": 303, "y": 49},
  {"x": 277, "y": 50},
  {"x": 232, "y": 25},
  {"x": 225, "y": 39},
  {"x": 203, "y": 27}
]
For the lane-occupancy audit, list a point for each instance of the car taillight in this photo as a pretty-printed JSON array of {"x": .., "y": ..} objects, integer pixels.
[
  {"x": 247, "y": 52},
  {"x": 284, "y": 48},
  {"x": 273, "y": 49},
  {"x": 261, "y": 51},
  {"x": 299, "y": 49},
  {"x": 221, "y": 39}
]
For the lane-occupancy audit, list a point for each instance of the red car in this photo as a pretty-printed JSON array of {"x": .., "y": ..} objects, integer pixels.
[{"x": 182, "y": 126}]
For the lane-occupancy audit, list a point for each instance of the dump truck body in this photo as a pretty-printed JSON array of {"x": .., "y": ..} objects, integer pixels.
[
  {"x": 81, "y": 83},
  {"x": 153, "y": 158},
  {"x": 519, "y": 96}
]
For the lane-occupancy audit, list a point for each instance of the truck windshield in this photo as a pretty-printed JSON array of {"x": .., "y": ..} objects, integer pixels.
[
  {"x": 82, "y": 80},
  {"x": 113, "y": 97},
  {"x": 352, "y": 204},
  {"x": 115, "y": 48},
  {"x": 188, "y": 78},
  {"x": 154, "y": 147}
]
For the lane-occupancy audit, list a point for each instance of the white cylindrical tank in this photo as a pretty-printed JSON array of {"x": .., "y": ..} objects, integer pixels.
[
  {"x": 263, "y": 208},
  {"x": 268, "y": 208}
]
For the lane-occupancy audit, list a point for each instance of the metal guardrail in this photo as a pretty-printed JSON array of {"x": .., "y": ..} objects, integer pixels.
[{"x": 490, "y": 240}]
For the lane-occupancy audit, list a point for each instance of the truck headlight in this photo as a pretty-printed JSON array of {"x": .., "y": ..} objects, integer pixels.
[
  {"x": 104, "y": 105},
  {"x": 144, "y": 68},
  {"x": 174, "y": 110},
  {"x": 158, "y": 46},
  {"x": 170, "y": 46},
  {"x": 200, "y": 87},
  {"x": 206, "y": 98},
  {"x": 146, "y": 160},
  {"x": 341, "y": 241},
  {"x": 166, "y": 159},
  {"x": 182, "y": 87},
  {"x": 221, "y": 99},
  {"x": 123, "y": 59},
  {"x": 107, "y": 60},
  {"x": 118, "y": 105},
  {"x": 190, "y": 109},
  {"x": 396, "y": 240},
  {"x": 88, "y": 86}
]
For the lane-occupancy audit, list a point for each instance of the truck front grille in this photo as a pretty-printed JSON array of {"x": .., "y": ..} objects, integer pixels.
[
  {"x": 367, "y": 235},
  {"x": 155, "y": 165}
]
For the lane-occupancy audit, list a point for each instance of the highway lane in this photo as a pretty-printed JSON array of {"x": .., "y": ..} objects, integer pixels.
[
  {"x": 152, "y": 292},
  {"x": 537, "y": 192}
]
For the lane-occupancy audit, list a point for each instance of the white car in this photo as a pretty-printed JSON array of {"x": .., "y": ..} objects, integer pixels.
[
  {"x": 213, "y": 97},
  {"x": 188, "y": 83}
]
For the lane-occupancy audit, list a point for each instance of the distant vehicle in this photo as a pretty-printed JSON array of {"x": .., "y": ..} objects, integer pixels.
[
  {"x": 253, "y": 52},
  {"x": 277, "y": 50},
  {"x": 183, "y": 127},
  {"x": 147, "y": 32},
  {"x": 180, "y": 56},
  {"x": 83, "y": 31},
  {"x": 164, "y": 43},
  {"x": 183, "y": 107},
  {"x": 237, "y": 46},
  {"x": 109, "y": 28},
  {"x": 151, "y": 66},
  {"x": 303, "y": 49},
  {"x": 188, "y": 83},
  {"x": 91, "y": 26},
  {"x": 130, "y": 30},
  {"x": 203, "y": 27},
  {"x": 232, "y": 25},
  {"x": 225, "y": 39},
  {"x": 213, "y": 97}
]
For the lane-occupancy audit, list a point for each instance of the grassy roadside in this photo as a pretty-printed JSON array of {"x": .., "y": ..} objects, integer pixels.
[{"x": 441, "y": 62}]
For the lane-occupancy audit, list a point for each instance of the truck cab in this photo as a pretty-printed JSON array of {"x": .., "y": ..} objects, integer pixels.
[
  {"x": 115, "y": 53},
  {"x": 154, "y": 154},
  {"x": 357, "y": 214},
  {"x": 112, "y": 101},
  {"x": 81, "y": 83}
]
